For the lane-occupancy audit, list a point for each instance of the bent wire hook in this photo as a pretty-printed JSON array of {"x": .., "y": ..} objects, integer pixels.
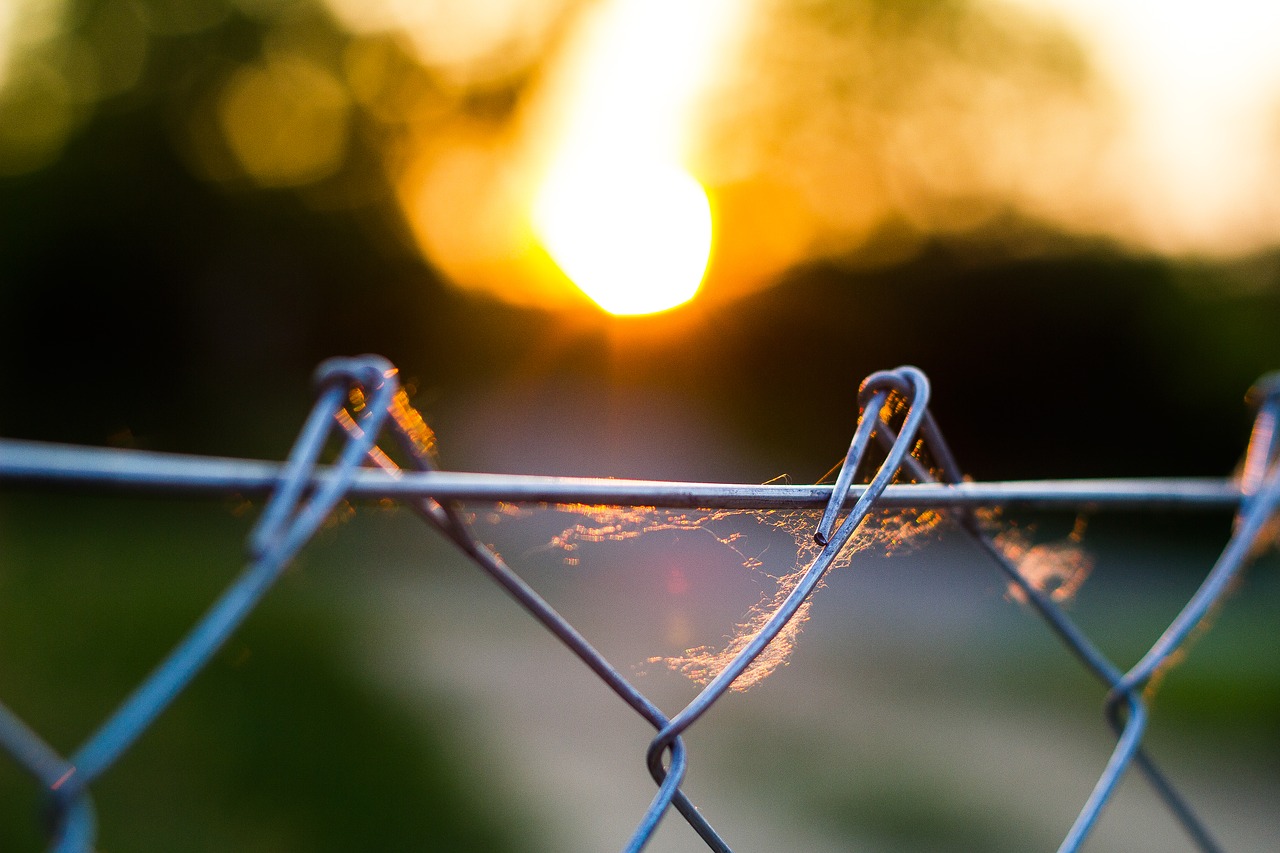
[
  {"x": 875, "y": 391},
  {"x": 295, "y": 511},
  {"x": 1260, "y": 482}
]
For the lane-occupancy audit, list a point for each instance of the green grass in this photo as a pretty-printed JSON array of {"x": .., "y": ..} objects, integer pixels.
[
  {"x": 279, "y": 745},
  {"x": 913, "y": 816}
]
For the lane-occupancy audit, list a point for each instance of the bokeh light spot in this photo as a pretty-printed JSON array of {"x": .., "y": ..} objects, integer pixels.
[
  {"x": 36, "y": 114},
  {"x": 285, "y": 121}
]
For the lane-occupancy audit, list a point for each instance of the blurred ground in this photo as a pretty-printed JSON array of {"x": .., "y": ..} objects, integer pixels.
[{"x": 922, "y": 710}]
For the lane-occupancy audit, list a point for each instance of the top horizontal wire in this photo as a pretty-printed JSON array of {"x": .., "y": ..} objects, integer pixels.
[{"x": 40, "y": 462}]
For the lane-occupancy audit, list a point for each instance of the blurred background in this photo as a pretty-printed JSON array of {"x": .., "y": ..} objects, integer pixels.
[{"x": 663, "y": 240}]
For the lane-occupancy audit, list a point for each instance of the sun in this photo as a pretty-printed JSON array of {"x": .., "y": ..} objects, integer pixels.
[
  {"x": 633, "y": 236},
  {"x": 616, "y": 205}
]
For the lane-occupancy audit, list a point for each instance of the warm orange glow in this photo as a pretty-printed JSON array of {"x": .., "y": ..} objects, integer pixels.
[
  {"x": 1195, "y": 161},
  {"x": 617, "y": 209},
  {"x": 635, "y": 239},
  {"x": 852, "y": 138}
]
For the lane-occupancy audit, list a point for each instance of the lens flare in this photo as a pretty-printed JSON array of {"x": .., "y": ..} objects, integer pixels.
[{"x": 635, "y": 238}]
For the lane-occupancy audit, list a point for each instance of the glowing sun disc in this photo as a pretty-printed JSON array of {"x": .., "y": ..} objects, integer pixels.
[{"x": 636, "y": 239}]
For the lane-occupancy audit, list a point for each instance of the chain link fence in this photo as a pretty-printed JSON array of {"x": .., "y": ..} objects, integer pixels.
[{"x": 898, "y": 459}]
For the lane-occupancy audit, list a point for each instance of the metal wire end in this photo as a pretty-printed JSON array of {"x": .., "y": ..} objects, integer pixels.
[
  {"x": 908, "y": 382},
  {"x": 1264, "y": 440},
  {"x": 296, "y": 510}
]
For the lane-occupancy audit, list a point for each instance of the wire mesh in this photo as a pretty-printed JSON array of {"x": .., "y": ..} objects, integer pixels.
[{"x": 897, "y": 458}]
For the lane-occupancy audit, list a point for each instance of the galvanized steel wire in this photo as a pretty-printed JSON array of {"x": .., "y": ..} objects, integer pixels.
[{"x": 360, "y": 399}]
